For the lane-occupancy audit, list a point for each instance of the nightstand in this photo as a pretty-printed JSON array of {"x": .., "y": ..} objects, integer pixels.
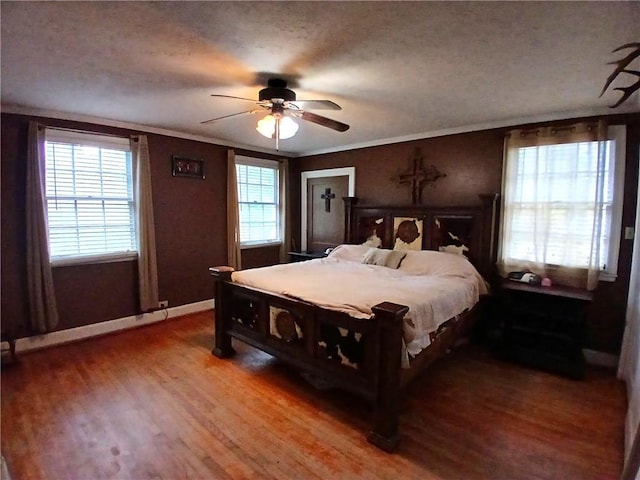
[
  {"x": 545, "y": 326},
  {"x": 302, "y": 256},
  {"x": 9, "y": 337}
]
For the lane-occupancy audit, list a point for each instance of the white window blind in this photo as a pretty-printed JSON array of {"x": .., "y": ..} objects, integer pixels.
[
  {"x": 90, "y": 201},
  {"x": 258, "y": 201}
]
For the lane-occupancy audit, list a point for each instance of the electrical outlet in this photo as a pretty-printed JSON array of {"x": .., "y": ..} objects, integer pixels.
[
  {"x": 163, "y": 304},
  {"x": 628, "y": 233}
]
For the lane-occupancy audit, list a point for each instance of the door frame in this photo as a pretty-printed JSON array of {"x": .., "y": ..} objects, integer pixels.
[{"x": 329, "y": 172}]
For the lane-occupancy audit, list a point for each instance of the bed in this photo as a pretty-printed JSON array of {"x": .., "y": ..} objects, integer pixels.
[{"x": 405, "y": 285}]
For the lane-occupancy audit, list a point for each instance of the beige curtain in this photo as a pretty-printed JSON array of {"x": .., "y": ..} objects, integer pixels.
[
  {"x": 542, "y": 198},
  {"x": 234, "y": 257},
  {"x": 629, "y": 366},
  {"x": 42, "y": 299},
  {"x": 285, "y": 210},
  {"x": 145, "y": 226}
]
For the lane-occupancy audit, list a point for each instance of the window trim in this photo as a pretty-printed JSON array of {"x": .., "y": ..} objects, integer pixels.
[
  {"x": 53, "y": 134},
  {"x": 264, "y": 163},
  {"x": 261, "y": 244},
  {"x": 617, "y": 133},
  {"x": 93, "y": 259},
  {"x": 112, "y": 142}
]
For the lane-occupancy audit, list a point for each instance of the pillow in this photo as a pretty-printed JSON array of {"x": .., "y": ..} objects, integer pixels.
[
  {"x": 431, "y": 262},
  {"x": 384, "y": 258},
  {"x": 352, "y": 253}
]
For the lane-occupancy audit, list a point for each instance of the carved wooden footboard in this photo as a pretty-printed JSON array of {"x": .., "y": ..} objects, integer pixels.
[{"x": 359, "y": 355}]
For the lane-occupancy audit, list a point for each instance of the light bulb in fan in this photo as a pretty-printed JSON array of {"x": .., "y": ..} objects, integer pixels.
[
  {"x": 288, "y": 128},
  {"x": 267, "y": 126}
]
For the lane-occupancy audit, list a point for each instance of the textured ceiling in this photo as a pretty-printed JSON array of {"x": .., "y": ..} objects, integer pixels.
[{"x": 400, "y": 70}]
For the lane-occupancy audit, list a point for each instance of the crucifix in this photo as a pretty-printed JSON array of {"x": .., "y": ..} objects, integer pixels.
[
  {"x": 418, "y": 177},
  {"x": 327, "y": 196}
]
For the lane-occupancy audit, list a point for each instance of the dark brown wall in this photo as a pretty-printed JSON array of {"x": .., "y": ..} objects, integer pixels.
[
  {"x": 607, "y": 314},
  {"x": 260, "y": 257},
  {"x": 472, "y": 163},
  {"x": 190, "y": 221}
]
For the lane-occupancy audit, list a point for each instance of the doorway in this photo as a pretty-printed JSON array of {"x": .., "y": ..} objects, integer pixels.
[{"x": 322, "y": 208}]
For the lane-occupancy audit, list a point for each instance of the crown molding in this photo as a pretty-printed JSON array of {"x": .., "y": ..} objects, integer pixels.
[
  {"x": 511, "y": 122},
  {"x": 75, "y": 117}
]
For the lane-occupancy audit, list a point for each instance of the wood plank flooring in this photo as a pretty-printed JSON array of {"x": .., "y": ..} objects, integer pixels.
[{"x": 153, "y": 403}]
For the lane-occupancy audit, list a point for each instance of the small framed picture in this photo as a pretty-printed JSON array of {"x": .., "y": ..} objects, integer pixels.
[{"x": 187, "y": 167}]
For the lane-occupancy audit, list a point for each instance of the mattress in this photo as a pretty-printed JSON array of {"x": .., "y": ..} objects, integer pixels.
[{"x": 436, "y": 287}]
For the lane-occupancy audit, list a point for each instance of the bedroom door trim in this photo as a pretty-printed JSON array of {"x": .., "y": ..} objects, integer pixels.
[{"x": 329, "y": 172}]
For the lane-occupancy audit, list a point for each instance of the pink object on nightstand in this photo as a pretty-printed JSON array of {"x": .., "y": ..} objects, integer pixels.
[{"x": 546, "y": 282}]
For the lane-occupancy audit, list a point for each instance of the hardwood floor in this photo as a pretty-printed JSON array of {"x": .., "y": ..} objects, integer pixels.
[{"x": 153, "y": 403}]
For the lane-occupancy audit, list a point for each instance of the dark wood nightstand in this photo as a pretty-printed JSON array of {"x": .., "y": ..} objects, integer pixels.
[
  {"x": 302, "y": 256},
  {"x": 9, "y": 337},
  {"x": 545, "y": 326}
]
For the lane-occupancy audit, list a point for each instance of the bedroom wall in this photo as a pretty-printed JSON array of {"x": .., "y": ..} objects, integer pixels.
[
  {"x": 472, "y": 163},
  {"x": 190, "y": 220},
  {"x": 191, "y": 225}
]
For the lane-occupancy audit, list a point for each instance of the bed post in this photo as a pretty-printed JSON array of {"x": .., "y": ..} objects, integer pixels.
[
  {"x": 349, "y": 203},
  {"x": 489, "y": 235},
  {"x": 386, "y": 409},
  {"x": 222, "y": 347}
]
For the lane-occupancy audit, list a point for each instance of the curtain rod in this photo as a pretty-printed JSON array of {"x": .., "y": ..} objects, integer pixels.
[{"x": 550, "y": 127}]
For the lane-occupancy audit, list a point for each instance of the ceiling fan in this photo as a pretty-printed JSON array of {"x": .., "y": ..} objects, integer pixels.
[{"x": 282, "y": 105}]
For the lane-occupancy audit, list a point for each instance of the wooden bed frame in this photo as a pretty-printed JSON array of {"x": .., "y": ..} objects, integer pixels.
[{"x": 317, "y": 340}]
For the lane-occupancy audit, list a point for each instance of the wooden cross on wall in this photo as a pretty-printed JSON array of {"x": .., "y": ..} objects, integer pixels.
[
  {"x": 418, "y": 177},
  {"x": 327, "y": 196}
]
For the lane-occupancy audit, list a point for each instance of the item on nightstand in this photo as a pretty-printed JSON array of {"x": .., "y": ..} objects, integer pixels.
[
  {"x": 546, "y": 282},
  {"x": 525, "y": 277}
]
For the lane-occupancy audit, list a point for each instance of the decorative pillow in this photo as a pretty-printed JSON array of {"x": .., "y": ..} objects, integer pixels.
[
  {"x": 384, "y": 258},
  {"x": 352, "y": 253}
]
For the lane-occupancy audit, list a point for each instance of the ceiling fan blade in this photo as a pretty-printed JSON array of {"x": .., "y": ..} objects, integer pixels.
[
  {"x": 212, "y": 120},
  {"x": 316, "y": 105},
  {"x": 324, "y": 121},
  {"x": 231, "y": 96}
]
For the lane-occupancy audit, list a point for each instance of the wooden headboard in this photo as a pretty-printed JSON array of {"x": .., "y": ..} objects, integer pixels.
[{"x": 468, "y": 230}]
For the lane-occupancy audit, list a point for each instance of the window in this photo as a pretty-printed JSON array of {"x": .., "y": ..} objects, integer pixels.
[
  {"x": 550, "y": 203},
  {"x": 90, "y": 200},
  {"x": 258, "y": 201}
]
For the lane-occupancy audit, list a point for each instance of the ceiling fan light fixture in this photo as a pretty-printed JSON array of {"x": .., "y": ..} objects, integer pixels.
[
  {"x": 278, "y": 123},
  {"x": 285, "y": 125},
  {"x": 267, "y": 126}
]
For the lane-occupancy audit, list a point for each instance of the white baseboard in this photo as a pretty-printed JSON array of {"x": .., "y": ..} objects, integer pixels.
[
  {"x": 602, "y": 359},
  {"x": 110, "y": 326},
  {"x": 593, "y": 357}
]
